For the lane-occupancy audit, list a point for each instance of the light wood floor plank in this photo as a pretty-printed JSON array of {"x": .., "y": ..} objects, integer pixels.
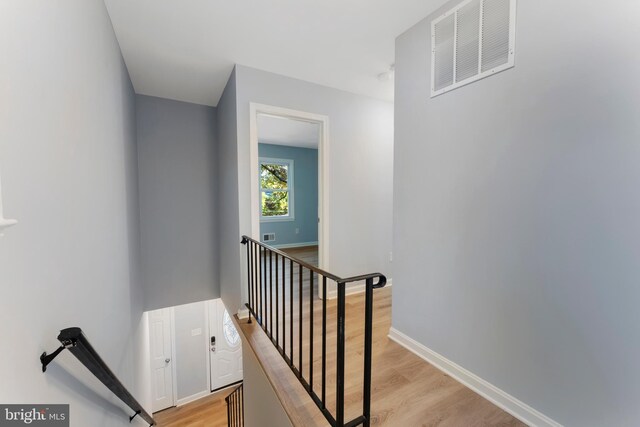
[{"x": 210, "y": 411}]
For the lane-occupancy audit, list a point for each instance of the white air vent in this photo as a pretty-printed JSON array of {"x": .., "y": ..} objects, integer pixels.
[
  {"x": 268, "y": 237},
  {"x": 470, "y": 42}
]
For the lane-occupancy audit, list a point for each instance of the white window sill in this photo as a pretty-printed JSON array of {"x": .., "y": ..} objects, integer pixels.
[{"x": 277, "y": 219}]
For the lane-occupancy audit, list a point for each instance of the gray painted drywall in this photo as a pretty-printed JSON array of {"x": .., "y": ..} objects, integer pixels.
[
  {"x": 68, "y": 165},
  {"x": 178, "y": 203},
  {"x": 191, "y": 350},
  {"x": 305, "y": 196},
  {"x": 516, "y": 233},
  {"x": 227, "y": 190},
  {"x": 360, "y": 171},
  {"x": 262, "y": 408}
]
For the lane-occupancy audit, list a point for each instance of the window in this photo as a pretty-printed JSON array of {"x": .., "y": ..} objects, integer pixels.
[
  {"x": 276, "y": 189},
  {"x": 230, "y": 331}
]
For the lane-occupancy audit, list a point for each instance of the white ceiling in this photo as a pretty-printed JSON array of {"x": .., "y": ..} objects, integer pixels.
[
  {"x": 185, "y": 50},
  {"x": 284, "y": 131}
]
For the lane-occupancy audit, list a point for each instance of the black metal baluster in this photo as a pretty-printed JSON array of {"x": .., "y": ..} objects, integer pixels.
[
  {"x": 256, "y": 274},
  {"x": 300, "y": 321},
  {"x": 284, "y": 325},
  {"x": 265, "y": 280},
  {"x": 277, "y": 322},
  {"x": 249, "y": 278},
  {"x": 271, "y": 295},
  {"x": 262, "y": 279},
  {"x": 324, "y": 341},
  {"x": 264, "y": 288},
  {"x": 340, "y": 356},
  {"x": 291, "y": 311},
  {"x": 311, "y": 329},
  {"x": 368, "y": 337}
]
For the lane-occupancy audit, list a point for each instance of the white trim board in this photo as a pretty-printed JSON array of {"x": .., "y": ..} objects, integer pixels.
[
  {"x": 505, "y": 401},
  {"x": 192, "y": 398},
  {"x": 174, "y": 369},
  {"x": 295, "y": 245}
]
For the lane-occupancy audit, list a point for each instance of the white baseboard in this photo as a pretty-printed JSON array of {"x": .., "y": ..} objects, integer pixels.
[
  {"x": 356, "y": 288},
  {"x": 191, "y": 398},
  {"x": 510, "y": 404},
  {"x": 295, "y": 245}
]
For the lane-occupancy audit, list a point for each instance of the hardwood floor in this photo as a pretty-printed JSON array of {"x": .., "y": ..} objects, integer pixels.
[
  {"x": 210, "y": 411},
  {"x": 406, "y": 390},
  {"x": 307, "y": 254}
]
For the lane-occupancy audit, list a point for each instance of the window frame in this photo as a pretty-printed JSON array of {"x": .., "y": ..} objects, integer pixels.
[{"x": 290, "y": 189}]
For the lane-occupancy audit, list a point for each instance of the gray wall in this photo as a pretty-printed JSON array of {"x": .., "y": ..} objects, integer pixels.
[
  {"x": 191, "y": 350},
  {"x": 262, "y": 408},
  {"x": 516, "y": 206},
  {"x": 68, "y": 164},
  {"x": 178, "y": 212},
  {"x": 305, "y": 196},
  {"x": 360, "y": 174},
  {"x": 227, "y": 180}
]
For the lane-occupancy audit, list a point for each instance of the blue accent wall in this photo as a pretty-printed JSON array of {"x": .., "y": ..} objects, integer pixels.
[{"x": 305, "y": 188}]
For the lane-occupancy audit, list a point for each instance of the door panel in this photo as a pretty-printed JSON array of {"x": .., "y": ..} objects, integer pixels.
[
  {"x": 225, "y": 353},
  {"x": 161, "y": 363}
]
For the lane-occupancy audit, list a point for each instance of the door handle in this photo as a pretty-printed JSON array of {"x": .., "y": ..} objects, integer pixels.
[{"x": 167, "y": 360}]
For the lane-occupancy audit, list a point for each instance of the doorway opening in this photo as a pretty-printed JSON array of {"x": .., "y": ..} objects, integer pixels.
[
  {"x": 194, "y": 350},
  {"x": 289, "y": 152}
]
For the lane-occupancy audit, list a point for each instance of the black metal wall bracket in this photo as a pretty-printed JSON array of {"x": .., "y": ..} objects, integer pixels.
[
  {"x": 134, "y": 415},
  {"x": 45, "y": 358}
]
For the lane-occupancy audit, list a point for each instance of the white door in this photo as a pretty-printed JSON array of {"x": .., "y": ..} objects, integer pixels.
[
  {"x": 225, "y": 348},
  {"x": 161, "y": 363}
]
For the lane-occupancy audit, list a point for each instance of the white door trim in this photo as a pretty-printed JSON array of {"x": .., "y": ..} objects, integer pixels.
[
  {"x": 174, "y": 372},
  {"x": 323, "y": 171},
  {"x": 207, "y": 347}
]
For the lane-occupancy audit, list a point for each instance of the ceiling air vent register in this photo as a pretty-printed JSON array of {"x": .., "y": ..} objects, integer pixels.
[{"x": 472, "y": 41}]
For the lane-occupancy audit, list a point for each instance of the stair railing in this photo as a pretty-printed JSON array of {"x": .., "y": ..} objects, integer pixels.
[
  {"x": 74, "y": 340},
  {"x": 235, "y": 407},
  {"x": 271, "y": 292}
]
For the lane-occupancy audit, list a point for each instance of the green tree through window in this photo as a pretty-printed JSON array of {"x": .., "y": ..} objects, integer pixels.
[{"x": 275, "y": 189}]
